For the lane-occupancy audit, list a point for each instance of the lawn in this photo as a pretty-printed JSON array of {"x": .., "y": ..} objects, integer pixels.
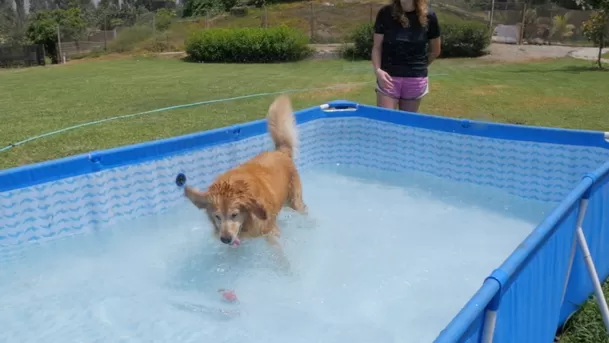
[{"x": 562, "y": 93}]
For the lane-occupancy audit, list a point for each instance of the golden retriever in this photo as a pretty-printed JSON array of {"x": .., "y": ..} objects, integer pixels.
[{"x": 244, "y": 202}]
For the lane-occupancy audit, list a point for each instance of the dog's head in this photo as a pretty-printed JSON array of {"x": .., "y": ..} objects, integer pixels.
[{"x": 229, "y": 206}]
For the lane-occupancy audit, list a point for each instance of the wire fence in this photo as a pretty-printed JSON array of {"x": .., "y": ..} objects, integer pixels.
[
  {"x": 510, "y": 22},
  {"x": 327, "y": 21}
]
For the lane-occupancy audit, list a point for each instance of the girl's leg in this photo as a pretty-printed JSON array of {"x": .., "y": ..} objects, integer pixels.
[
  {"x": 410, "y": 105},
  {"x": 388, "y": 98},
  {"x": 385, "y": 101},
  {"x": 412, "y": 92}
]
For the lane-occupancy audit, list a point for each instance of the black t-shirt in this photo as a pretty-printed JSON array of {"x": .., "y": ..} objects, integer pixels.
[{"x": 404, "y": 51}]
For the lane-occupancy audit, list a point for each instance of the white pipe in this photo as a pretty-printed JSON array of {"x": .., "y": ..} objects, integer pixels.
[
  {"x": 488, "y": 331},
  {"x": 583, "y": 207},
  {"x": 600, "y": 297},
  {"x": 571, "y": 258}
]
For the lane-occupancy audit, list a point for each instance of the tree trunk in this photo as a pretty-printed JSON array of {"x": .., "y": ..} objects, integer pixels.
[{"x": 600, "y": 51}]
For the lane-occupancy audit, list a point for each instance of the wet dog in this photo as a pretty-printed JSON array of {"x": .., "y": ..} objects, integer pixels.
[{"x": 245, "y": 201}]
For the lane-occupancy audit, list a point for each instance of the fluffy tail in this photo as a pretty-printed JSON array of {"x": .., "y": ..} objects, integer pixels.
[{"x": 282, "y": 125}]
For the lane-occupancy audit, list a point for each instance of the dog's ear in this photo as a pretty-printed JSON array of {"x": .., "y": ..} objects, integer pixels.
[
  {"x": 249, "y": 201},
  {"x": 256, "y": 208},
  {"x": 197, "y": 197}
]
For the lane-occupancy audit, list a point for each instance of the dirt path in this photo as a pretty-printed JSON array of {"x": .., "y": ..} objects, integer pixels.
[
  {"x": 518, "y": 53},
  {"x": 498, "y": 52},
  {"x": 590, "y": 54}
]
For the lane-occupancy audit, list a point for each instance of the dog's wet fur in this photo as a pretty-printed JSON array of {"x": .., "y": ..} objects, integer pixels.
[{"x": 244, "y": 202}]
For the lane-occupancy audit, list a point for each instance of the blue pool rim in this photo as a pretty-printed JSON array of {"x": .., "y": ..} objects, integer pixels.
[
  {"x": 37, "y": 173},
  {"x": 49, "y": 171}
]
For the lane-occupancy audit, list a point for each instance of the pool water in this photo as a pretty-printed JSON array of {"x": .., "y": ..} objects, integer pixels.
[{"x": 374, "y": 261}]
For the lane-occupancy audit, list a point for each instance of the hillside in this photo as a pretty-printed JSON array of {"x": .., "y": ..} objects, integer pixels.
[
  {"x": 325, "y": 22},
  {"x": 329, "y": 21}
]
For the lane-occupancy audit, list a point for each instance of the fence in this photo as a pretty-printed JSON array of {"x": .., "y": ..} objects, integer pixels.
[
  {"x": 332, "y": 21},
  {"x": 101, "y": 39},
  {"x": 17, "y": 55},
  {"x": 96, "y": 40}
]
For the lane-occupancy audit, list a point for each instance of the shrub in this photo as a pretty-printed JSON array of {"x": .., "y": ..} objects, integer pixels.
[
  {"x": 161, "y": 43},
  {"x": 238, "y": 11},
  {"x": 362, "y": 41},
  {"x": 163, "y": 18},
  {"x": 129, "y": 38},
  {"x": 459, "y": 39},
  {"x": 196, "y": 8},
  {"x": 466, "y": 39},
  {"x": 247, "y": 45},
  {"x": 228, "y": 4},
  {"x": 596, "y": 29}
]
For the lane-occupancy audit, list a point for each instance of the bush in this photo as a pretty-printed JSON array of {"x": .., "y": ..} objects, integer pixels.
[
  {"x": 163, "y": 18},
  {"x": 466, "y": 39},
  {"x": 459, "y": 39},
  {"x": 129, "y": 38},
  {"x": 228, "y": 4},
  {"x": 247, "y": 45},
  {"x": 362, "y": 42},
  {"x": 238, "y": 11}
]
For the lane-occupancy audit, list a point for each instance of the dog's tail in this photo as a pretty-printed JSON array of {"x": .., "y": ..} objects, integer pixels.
[{"x": 282, "y": 125}]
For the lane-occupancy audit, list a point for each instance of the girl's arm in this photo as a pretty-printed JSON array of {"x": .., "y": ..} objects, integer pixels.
[
  {"x": 434, "y": 49},
  {"x": 433, "y": 35},
  {"x": 377, "y": 48}
]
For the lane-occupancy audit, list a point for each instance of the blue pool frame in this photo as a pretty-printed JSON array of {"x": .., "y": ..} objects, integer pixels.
[{"x": 524, "y": 300}]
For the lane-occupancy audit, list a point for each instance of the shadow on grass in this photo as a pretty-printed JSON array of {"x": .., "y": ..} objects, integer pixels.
[
  {"x": 575, "y": 69},
  {"x": 189, "y": 59}
]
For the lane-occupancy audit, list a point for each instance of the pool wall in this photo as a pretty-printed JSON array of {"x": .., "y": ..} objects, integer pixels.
[{"x": 523, "y": 300}]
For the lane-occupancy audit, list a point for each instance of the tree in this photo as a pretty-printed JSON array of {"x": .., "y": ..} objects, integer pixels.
[
  {"x": 596, "y": 29},
  {"x": 164, "y": 17},
  {"x": 7, "y": 20},
  {"x": 44, "y": 24},
  {"x": 561, "y": 29}
]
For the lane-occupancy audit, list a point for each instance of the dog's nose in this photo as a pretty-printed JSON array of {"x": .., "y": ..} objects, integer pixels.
[{"x": 226, "y": 240}]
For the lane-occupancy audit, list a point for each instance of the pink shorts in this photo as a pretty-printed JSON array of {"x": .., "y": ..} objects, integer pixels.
[{"x": 406, "y": 88}]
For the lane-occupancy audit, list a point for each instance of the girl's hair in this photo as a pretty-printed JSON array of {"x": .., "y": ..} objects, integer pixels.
[{"x": 399, "y": 14}]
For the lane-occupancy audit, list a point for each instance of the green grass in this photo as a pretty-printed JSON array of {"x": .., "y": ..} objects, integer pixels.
[
  {"x": 586, "y": 326},
  {"x": 562, "y": 93},
  {"x": 606, "y": 55}
]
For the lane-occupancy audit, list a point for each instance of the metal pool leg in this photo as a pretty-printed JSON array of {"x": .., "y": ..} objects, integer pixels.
[
  {"x": 580, "y": 239},
  {"x": 583, "y": 206},
  {"x": 598, "y": 291},
  {"x": 488, "y": 331},
  {"x": 490, "y": 315}
]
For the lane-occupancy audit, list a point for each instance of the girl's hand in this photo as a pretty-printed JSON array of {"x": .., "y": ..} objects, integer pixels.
[{"x": 384, "y": 79}]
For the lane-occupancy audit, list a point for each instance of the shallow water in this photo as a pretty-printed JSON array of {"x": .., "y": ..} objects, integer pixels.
[{"x": 374, "y": 261}]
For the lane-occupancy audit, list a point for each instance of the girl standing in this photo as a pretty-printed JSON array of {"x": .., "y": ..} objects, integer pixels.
[{"x": 406, "y": 41}]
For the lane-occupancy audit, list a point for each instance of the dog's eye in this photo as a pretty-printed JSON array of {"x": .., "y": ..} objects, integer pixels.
[
  {"x": 218, "y": 217},
  {"x": 234, "y": 215}
]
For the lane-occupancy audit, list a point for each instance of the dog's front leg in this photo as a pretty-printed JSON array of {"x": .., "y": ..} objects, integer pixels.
[{"x": 272, "y": 240}]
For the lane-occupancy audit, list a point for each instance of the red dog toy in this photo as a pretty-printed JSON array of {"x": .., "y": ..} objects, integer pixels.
[{"x": 228, "y": 295}]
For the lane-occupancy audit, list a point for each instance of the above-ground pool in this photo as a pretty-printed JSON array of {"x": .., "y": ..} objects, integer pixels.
[{"x": 420, "y": 229}]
